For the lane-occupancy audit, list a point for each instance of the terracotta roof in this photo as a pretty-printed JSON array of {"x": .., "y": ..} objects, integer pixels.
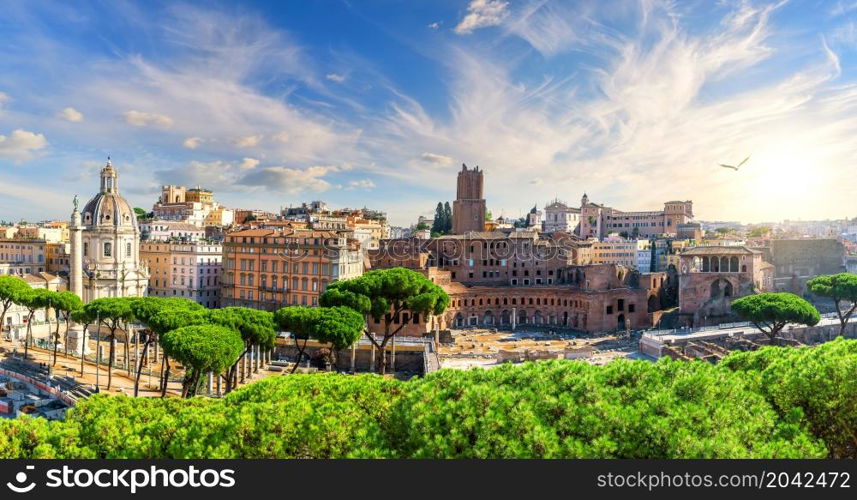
[
  {"x": 174, "y": 224},
  {"x": 720, "y": 250},
  {"x": 284, "y": 232},
  {"x": 253, "y": 232},
  {"x": 485, "y": 235}
]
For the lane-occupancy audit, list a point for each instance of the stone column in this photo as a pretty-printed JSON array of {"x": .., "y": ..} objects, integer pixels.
[
  {"x": 76, "y": 339},
  {"x": 76, "y": 264},
  {"x": 514, "y": 317}
]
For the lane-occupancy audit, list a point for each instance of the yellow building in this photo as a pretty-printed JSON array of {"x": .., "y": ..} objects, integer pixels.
[
  {"x": 189, "y": 269},
  {"x": 22, "y": 256},
  {"x": 57, "y": 257}
]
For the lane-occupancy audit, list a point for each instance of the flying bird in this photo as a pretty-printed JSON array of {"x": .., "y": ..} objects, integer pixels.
[{"x": 735, "y": 167}]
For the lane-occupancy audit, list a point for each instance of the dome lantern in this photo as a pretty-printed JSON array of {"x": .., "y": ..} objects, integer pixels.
[{"x": 109, "y": 178}]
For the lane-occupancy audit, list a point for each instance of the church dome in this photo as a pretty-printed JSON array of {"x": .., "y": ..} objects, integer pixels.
[{"x": 108, "y": 208}]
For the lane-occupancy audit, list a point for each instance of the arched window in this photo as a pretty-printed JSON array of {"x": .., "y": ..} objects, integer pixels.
[{"x": 108, "y": 249}]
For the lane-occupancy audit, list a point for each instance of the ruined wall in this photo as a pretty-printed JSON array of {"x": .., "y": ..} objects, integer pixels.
[{"x": 797, "y": 261}]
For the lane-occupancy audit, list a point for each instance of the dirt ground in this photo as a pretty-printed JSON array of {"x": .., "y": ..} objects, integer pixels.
[
  {"x": 479, "y": 347},
  {"x": 123, "y": 382}
]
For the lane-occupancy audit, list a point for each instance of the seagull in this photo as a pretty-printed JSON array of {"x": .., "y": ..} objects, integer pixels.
[{"x": 736, "y": 166}]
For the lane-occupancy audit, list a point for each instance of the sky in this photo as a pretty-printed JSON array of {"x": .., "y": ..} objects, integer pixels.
[{"x": 378, "y": 103}]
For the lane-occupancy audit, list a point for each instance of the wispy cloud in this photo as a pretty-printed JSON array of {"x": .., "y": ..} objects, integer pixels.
[
  {"x": 143, "y": 119},
  {"x": 663, "y": 105},
  {"x": 247, "y": 141},
  {"x": 549, "y": 27},
  {"x": 360, "y": 184},
  {"x": 843, "y": 7},
  {"x": 192, "y": 142},
  {"x": 435, "y": 159},
  {"x": 290, "y": 180},
  {"x": 604, "y": 95}
]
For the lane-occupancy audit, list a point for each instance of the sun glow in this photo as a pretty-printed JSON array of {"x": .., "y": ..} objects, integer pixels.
[
  {"x": 780, "y": 179},
  {"x": 785, "y": 171}
]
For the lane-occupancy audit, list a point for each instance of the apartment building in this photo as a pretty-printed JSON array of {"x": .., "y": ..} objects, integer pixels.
[
  {"x": 615, "y": 251},
  {"x": 192, "y": 270},
  {"x": 22, "y": 256},
  {"x": 271, "y": 268}
]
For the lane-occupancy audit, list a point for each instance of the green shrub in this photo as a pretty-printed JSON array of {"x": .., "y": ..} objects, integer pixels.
[
  {"x": 816, "y": 385},
  {"x": 562, "y": 409},
  {"x": 30, "y": 437},
  {"x": 772, "y": 403}
]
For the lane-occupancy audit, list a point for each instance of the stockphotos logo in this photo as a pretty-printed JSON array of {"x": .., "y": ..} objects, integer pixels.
[
  {"x": 21, "y": 478},
  {"x": 128, "y": 479}
]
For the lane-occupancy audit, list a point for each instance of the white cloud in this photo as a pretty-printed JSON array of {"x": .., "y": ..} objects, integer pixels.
[
  {"x": 247, "y": 141},
  {"x": 335, "y": 77},
  {"x": 213, "y": 174},
  {"x": 281, "y": 137},
  {"x": 290, "y": 180},
  {"x": 21, "y": 145},
  {"x": 435, "y": 159},
  {"x": 214, "y": 87},
  {"x": 248, "y": 163},
  {"x": 842, "y": 7},
  {"x": 192, "y": 142},
  {"x": 143, "y": 119},
  {"x": 548, "y": 27},
  {"x": 481, "y": 14},
  {"x": 4, "y": 98},
  {"x": 845, "y": 35},
  {"x": 71, "y": 114},
  {"x": 434, "y": 26},
  {"x": 360, "y": 184},
  {"x": 660, "y": 101},
  {"x": 657, "y": 95}
]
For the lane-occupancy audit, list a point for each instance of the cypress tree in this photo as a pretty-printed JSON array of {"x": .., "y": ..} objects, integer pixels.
[
  {"x": 439, "y": 222},
  {"x": 447, "y": 217}
]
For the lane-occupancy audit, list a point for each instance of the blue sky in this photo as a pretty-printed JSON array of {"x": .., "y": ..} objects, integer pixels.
[{"x": 378, "y": 103}]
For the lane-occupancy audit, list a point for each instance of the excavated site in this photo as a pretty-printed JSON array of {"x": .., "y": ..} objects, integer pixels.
[{"x": 489, "y": 347}]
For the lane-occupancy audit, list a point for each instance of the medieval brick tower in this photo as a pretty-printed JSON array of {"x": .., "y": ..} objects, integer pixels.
[{"x": 468, "y": 209}]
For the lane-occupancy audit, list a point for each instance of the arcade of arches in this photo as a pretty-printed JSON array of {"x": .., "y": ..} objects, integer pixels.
[{"x": 563, "y": 307}]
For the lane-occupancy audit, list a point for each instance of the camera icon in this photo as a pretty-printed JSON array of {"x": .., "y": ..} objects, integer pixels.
[{"x": 20, "y": 479}]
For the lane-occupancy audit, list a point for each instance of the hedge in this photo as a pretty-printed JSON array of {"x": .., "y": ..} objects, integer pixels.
[{"x": 773, "y": 403}]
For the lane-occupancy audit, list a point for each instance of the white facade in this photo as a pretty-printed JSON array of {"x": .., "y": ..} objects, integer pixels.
[
  {"x": 166, "y": 230},
  {"x": 109, "y": 245},
  {"x": 19, "y": 256},
  {"x": 644, "y": 256},
  {"x": 535, "y": 219},
  {"x": 559, "y": 217},
  {"x": 189, "y": 270}
]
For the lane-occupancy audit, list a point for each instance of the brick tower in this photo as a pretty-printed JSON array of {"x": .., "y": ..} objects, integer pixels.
[{"x": 468, "y": 210}]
